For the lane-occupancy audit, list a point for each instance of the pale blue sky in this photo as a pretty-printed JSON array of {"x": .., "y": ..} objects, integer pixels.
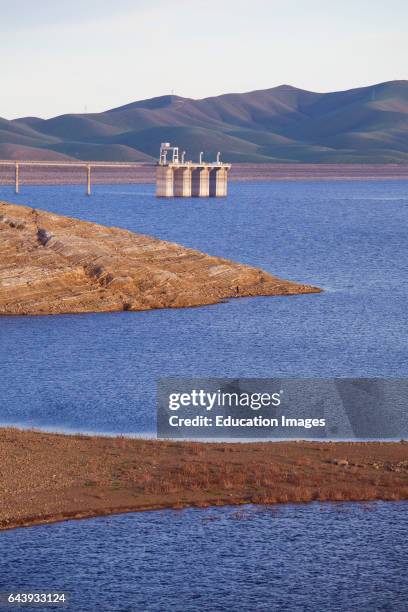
[{"x": 62, "y": 56}]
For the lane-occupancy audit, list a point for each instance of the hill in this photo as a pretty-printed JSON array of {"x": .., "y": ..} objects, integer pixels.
[{"x": 282, "y": 124}]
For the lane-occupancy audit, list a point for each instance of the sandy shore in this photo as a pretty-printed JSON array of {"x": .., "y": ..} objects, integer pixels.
[{"x": 46, "y": 478}]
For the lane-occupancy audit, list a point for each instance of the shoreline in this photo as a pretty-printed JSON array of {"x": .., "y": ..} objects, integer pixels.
[
  {"x": 53, "y": 477},
  {"x": 51, "y": 264},
  {"x": 241, "y": 172},
  {"x": 83, "y": 516}
]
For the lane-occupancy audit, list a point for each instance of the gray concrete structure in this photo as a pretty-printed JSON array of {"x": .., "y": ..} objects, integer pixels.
[
  {"x": 175, "y": 178},
  {"x": 200, "y": 182},
  {"x": 218, "y": 182},
  {"x": 87, "y": 166}
]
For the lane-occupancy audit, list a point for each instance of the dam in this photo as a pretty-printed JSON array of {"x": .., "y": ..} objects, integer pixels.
[{"x": 177, "y": 178}]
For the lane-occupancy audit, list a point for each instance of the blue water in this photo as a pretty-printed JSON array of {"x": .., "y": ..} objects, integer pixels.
[
  {"x": 98, "y": 372},
  {"x": 316, "y": 557}
]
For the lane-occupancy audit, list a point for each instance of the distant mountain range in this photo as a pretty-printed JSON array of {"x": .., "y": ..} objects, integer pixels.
[{"x": 282, "y": 124}]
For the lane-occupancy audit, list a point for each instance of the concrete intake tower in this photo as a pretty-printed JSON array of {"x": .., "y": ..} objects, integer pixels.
[{"x": 177, "y": 178}]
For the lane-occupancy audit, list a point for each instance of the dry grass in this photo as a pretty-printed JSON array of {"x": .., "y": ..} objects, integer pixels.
[{"x": 48, "y": 477}]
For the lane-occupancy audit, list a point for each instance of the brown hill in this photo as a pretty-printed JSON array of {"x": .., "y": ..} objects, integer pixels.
[
  {"x": 15, "y": 151},
  {"x": 101, "y": 152},
  {"x": 51, "y": 264},
  {"x": 282, "y": 124}
]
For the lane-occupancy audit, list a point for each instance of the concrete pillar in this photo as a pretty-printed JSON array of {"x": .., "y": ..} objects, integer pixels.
[
  {"x": 200, "y": 183},
  {"x": 182, "y": 182},
  {"x": 165, "y": 182},
  {"x": 17, "y": 178},
  {"x": 88, "y": 180},
  {"x": 218, "y": 182}
]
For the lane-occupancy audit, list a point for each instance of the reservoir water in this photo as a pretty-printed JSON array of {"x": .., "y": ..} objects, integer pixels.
[
  {"x": 98, "y": 372},
  {"x": 299, "y": 558}
]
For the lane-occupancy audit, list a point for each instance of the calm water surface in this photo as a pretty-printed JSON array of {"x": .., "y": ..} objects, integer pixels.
[
  {"x": 316, "y": 557},
  {"x": 98, "y": 372}
]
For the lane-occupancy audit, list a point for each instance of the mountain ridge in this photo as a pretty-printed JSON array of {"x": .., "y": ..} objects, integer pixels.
[{"x": 280, "y": 124}]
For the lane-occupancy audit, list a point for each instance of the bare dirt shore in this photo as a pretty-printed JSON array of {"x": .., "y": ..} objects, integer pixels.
[
  {"x": 46, "y": 477},
  {"x": 145, "y": 173},
  {"x": 51, "y": 265}
]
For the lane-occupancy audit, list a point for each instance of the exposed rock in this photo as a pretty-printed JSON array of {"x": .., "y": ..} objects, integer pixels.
[
  {"x": 51, "y": 264},
  {"x": 341, "y": 462}
]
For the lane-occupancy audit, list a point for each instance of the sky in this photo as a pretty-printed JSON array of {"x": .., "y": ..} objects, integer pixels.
[{"x": 75, "y": 56}]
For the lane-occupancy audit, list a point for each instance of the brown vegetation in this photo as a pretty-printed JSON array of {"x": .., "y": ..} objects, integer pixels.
[
  {"x": 280, "y": 124},
  {"x": 51, "y": 264},
  {"x": 51, "y": 477}
]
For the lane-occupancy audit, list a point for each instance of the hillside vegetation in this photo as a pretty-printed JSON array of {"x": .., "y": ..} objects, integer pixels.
[{"x": 282, "y": 124}]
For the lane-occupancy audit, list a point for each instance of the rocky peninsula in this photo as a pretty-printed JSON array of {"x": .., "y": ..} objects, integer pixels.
[{"x": 51, "y": 264}]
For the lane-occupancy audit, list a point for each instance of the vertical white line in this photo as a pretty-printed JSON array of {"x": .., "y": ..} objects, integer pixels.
[{"x": 17, "y": 178}]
